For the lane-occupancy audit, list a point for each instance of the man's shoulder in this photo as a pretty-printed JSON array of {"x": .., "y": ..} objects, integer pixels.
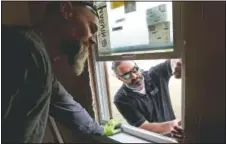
[
  {"x": 151, "y": 74},
  {"x": 16, "y": 35},
  {"x": 22, "y": 47},
  {"x": 148, "y": 75},
  {"x": 21, "y": 40}
]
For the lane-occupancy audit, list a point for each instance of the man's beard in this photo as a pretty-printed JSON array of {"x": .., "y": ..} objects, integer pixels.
[
  {"x": 77, "y": 53},
  {"x": 136, "y": 82},
  {"x": 80, "y": 59}
]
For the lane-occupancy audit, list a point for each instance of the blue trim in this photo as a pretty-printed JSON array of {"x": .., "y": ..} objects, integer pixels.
[{"x": 146, "y": 47}]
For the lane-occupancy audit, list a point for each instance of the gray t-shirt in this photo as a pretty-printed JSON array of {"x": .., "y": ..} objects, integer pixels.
[{"x": 30, "y": 92}]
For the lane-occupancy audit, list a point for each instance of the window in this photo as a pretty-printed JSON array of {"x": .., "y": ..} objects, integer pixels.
[
  {"x": 139, "y": 30},
  {"x": 146, "y": 32}
]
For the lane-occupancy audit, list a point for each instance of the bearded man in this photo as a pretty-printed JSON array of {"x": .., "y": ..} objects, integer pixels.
[{"x": 30, "y": 91}]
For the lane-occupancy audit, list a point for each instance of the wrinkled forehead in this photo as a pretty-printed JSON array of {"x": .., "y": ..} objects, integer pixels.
[{"x": 125, "y": 66}]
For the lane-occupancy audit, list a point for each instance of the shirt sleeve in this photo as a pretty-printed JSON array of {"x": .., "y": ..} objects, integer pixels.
[
  {"x": 130, "y": 113},
  {"x": 163, "y": 70},
  {"x": 65, "y": 109}
]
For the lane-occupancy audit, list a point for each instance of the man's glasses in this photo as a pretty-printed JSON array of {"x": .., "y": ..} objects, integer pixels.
[{"x": 127, "y": 75}]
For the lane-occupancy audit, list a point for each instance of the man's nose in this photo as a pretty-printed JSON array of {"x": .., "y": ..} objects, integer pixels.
[
  {"x": 92, "y": 38},
  {"x": 133, "y": 76}
]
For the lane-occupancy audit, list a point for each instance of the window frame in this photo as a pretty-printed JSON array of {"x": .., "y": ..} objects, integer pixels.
[
  {"x": 101, "y": 79},
  {"x": 178, "y": 39}
]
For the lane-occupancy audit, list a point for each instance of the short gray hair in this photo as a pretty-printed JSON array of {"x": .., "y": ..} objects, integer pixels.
[{"x": 115, "y": 64}]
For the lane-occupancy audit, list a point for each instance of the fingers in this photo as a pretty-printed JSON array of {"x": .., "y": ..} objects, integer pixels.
[
  {"x": 180, "y": 137},
  {"x": 179, "y": 63},
  {"x": 175, "y": 122},
  {"x": 116, "y": 131},
  {"x": 179, "y": 123},
  {"x": 178, "y": 128},
  {"x": 112, "y": 122},
  {"x": 118, "y": 126},
  {"x": 177, "y": 136},
  {"x": 117, "y": 123},
  {"x": 178, "y": 133}
]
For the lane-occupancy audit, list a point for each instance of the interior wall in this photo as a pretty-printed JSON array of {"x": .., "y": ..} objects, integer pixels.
[
  {"x": 205, "y": 71},
  {"x": 37, "y": 10},
  {"x": 15, "y": 12}
]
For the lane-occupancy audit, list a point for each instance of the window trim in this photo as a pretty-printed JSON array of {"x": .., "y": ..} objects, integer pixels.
[
  {"x": 108, "y": 90},
  {"x": 91, "y": 69},
  {"x": 177, "y": 8},
  {"x": 101, "y": 90}
]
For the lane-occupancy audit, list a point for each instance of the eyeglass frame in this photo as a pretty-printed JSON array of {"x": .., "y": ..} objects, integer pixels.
[{"x": 134, "y": 70}]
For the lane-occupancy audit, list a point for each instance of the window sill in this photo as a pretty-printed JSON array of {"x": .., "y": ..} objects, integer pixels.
[{"x": 130, "y": 134}]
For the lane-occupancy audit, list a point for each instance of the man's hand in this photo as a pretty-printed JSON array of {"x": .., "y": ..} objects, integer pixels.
[
  {"x": 178, "y": 132},
  {"x": 176, "y": 65},
  {"x": 110, "y": 128}
]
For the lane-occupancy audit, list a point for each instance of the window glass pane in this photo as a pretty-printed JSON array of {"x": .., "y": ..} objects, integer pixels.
[{"x": 135, "y": 26}]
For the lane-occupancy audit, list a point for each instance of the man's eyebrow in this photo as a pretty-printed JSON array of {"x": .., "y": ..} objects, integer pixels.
[{"x": 129, "y": 71}]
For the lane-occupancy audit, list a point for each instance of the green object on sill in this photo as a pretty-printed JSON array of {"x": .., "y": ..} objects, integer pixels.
[{"x": 112, "y": 128}]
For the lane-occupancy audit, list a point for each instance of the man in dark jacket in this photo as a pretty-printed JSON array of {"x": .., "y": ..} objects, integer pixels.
[
  {"x": 30, "y": 91},
  {"x": 144, "y": 99}
]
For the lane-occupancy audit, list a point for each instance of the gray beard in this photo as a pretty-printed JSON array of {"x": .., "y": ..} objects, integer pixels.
[
  {"x": 134, "y": 87},
  {"x": 80, "y": 60}
]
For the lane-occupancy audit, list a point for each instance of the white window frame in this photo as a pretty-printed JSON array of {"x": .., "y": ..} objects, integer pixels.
[
  {"x": 177, "y": 37},
  {"x": 101, "y": 90}
]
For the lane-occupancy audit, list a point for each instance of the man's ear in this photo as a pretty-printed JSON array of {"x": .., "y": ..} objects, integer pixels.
[
  {"x": 66, "y": 9},
  {"x": 119, "y": 78}
]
